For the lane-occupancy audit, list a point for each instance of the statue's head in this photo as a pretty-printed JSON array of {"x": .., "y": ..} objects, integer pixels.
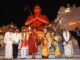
[{"x": 37, "y": 9}]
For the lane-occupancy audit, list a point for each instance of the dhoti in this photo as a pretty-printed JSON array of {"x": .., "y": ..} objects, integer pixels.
[{"x": 8, "y": 51}]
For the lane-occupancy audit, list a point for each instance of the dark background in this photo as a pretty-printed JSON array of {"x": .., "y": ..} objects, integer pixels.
[{"x": 16, "y": 10}]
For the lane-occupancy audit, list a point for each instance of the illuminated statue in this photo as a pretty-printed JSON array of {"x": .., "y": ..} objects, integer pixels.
[{"x": 37, "y": 20}]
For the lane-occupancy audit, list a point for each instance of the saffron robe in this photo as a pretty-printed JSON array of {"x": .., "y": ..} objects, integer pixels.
[
  {"x": 56, "y": 45},
  {"x": 33, "y": 43},
  {"x": 44, "y": 46}
]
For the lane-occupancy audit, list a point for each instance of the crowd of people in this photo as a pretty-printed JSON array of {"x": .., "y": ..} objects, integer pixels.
[{"x": 29, "y": 40}]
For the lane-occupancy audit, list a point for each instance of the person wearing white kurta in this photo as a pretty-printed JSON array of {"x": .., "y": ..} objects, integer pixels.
[
  {"x": 16, "y": 40},
  {"x": 8, "y": 45},
  {"x": 68, "y": 49}
]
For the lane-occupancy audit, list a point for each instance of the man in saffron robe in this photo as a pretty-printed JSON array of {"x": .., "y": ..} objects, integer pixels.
[{"x": 33, "y": 43}]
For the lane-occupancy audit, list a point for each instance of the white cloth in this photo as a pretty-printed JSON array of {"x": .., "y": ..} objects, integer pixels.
[
  {"x": 66, "y": 35},
  {"x": 8, "y": 44},
  {"x": 68, "y": 49},
  {"x": 16, "y": 37},
  {"x": 24, "y": 52}
]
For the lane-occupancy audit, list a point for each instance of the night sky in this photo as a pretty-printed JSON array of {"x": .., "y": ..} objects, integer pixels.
[{"x": 16, "y": 11}]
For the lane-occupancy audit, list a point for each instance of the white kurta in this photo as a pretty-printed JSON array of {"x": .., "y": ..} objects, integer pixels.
[
  {"x": 16, "y": 37},
  {"x": 68, "y": 49},
  {"x": 8, "y": 45}
]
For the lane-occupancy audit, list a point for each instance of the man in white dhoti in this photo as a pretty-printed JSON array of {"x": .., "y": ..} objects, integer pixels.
[
  {"x": 8, "y": 44},
  {"x": 68, "y": 49}
]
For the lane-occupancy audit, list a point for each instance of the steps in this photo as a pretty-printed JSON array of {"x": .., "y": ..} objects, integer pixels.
[{"x": 39, "y": 56}]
